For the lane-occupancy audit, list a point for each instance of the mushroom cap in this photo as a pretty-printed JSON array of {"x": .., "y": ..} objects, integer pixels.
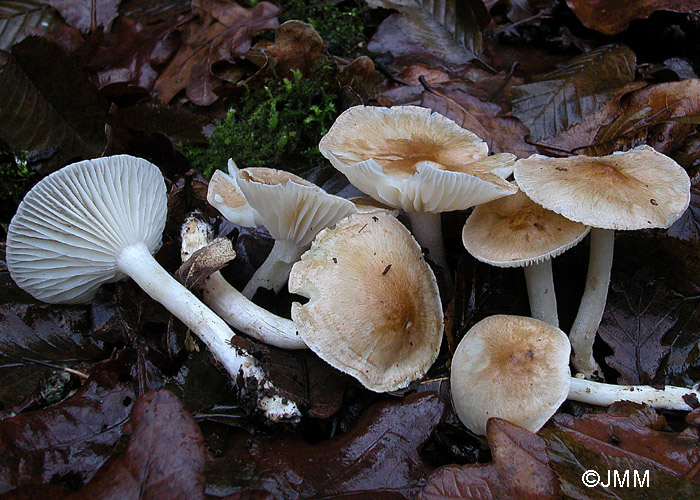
[
  {"x": 637, "y": 189},
  {"x": 64, "y": 240},
  {"x": 515, "y": 231},
  {"x": 225, "y": 195},
  {"x": 412, "y": 158},
  {"x": 511, "y": 367},
  {"x": 291, "y": 208},
  {"x": 374, "y": 308}
]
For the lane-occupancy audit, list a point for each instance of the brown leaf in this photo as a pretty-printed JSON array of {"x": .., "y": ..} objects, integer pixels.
[
  {"x": 380, "y": 454},
  {"x": 205, "y": 262},
  {"x": 67, "y": 442},
  {"x": 20, "y": 18},
  {"x": 613, "y": 16},
  {"x": 80, "y": 14},
  {"x": 520, "y": 469},
  {"x": 687, "y": 227},
  {"x": 221, "y": 32},
  {"x": 297, "y": 47}
]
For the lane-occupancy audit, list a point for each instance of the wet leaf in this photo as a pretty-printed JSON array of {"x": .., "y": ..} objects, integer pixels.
[
  {"x": 687, "y": 227},
  {"x": 87, "y": 16},
  {"x": 562, "y": 98},
  {"x": 20, "y": 16},
  {"x": 68, "y": 442},
  {"x": 378, "y": 458},
  {"x": 221, "y": 33},
  {"x": 613, "y": 16},
  {"x": 630, "y": 438},
  {"x": 520, "y": 469},
  {"x": 46, "y": 100}
]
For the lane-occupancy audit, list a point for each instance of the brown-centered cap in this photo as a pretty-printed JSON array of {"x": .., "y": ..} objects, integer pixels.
[
  {"x": 511, "y": 367},
  {"x": 412, "y": 158},
  {"x": 515, "y": 231},
  {"x": 637, "y": 189},
  {"x": 374, "y": 308}
]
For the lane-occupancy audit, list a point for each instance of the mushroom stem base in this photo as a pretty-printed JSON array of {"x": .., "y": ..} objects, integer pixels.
[{"x": 600, "y": 394}]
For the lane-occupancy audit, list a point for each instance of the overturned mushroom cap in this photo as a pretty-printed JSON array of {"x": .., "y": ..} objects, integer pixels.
[
  {"x": 412, "y": 158},
  {"x": 225, "y": 195},
  {"x": 511, "y": 367},
  {"x": 637, "y": 189},
  {"x": 291, "y": 208},
  {"x": 374, "y": 309},
  {"x": 514, "y": 231},
  {"x": 69, "y": 230}
]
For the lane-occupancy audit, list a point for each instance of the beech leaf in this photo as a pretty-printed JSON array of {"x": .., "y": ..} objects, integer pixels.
[
  {"x": 564, "y": 97},
  {"x": 18, "y": 17},
  {"x": 87, "y": 16}
]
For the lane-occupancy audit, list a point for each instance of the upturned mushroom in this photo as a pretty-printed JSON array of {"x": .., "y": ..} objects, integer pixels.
[
  {"x": 412, "y": 158},
  {"x": 374, "y": 308},
  {"x": 293, "y": 210},
  {"x": 230, "y": 304},
  {"x": 97, "y": 221},
  {"x": 517, "y": 368},
  {"x": 637, "y": 189},
  {"x": 514, "y": 231}
]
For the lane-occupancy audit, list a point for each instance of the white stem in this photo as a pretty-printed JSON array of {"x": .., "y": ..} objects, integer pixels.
[
  {"x": 137, "y": 262},
  {"x": 246, "y": 316},
  {"x": 595, "y": 294},
  {"x": 427, "y": 229},
  {"x": 540, "y": 291},
  {"x": 274, "y": 272},
  {"x": 597, "y": 393}
]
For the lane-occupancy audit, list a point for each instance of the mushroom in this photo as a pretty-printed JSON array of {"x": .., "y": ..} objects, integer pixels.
[
  {"x": 224, "y": 195},
  {"x": 412, "y": 158},
  {"x": 293, "y": 210},
  {"x": 517, "y": 368},
  {"x": 230, "y": 304},
  {"x": 514, "y": 231},
  {"x": 374, "y": 308},
  {"x": 98, "y": 221},
  {"x": 637, "y": 189}
]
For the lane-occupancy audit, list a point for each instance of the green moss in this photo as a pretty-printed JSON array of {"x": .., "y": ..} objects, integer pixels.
[
  {"x": 16, "y": 178},
  {"x": 278, "y": 125}
]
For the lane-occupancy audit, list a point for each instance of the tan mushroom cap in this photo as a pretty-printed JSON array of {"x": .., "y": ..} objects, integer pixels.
[
  {"x": 515, "y": 231},
  {"x": 374, "y": 308},
  {"x": 511, "y": 367},
  {"x": 412, "y": 158},
  {"x": 291, "y": 208},
  {"x": 637, "y": 189},
  {"x": 225, "y": 195}
]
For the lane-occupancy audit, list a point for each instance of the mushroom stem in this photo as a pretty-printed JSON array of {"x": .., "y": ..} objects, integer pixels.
[
  {"x": 427, "y": 230},
  {"x": 274, "y": 272},
  {"x": 137, "y": 262},
  {"x": 540, "y": 292},
  {"x": 595, "y": 294},
  {"x": 600, "y": 394}
]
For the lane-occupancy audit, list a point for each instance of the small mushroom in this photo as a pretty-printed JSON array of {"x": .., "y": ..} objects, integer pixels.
[
  {"x": 98, "y": 221},
  {"x": 517, "y": 368},
  {"x": 293, "y": 210},
  {"x": 374, "y": 308},
  {"x": 514, "y": 231},
  {"x": 230, "y": 304},
  {"x": 412, "y": 158},
  {"x": 224, "y": 195},
  {"x": 637, "y": 189}
]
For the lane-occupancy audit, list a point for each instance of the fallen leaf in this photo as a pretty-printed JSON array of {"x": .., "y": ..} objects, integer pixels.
[
  {"x": 66, "y": 443},
  {"x": 562, "y": 98},
  {"x": 221, "y": 32},
  {"x": 205, "y": 262},
  {"x": 87, "y": 16},
  {"x": 613, "y": 16},
  {"x": 687, "y": 227},
  {"x": 18, "y": 17},
  {"x": 520, "y": 470},
  {"x": 377, "y": 458}
]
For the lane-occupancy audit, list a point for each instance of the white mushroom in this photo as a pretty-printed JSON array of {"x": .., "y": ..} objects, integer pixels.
[
  {"x": 517, "y": 368},
  {"x": 98, "y": 221},
  {"x": 514, "y": 231},
  {"x": 637, "y": 189},
  {"x": 374, "y": 308},
  {"x": 411, "y": 158}
]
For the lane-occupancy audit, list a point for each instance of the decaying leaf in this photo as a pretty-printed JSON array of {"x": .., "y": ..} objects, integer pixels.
[
  {"x": 17, "y": 18},
  {"x": 613, "y": 16},
  {"x": 221, "y": 32},
  {"x": 520, "y": 469},
  {"x": 378, "y": 458},
  {"x": 687, "y": 227},
  {"x": 206, "y": 261},
  {"x": 562, "y": 98},
  {"x": 87, "y": 16}
]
